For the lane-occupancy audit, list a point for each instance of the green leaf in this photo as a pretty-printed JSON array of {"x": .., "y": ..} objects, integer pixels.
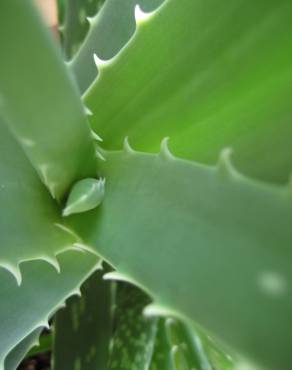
[
  {"x": 194, "y": 348},
  {"x": 203, "y": 229},
  {"x": 161, "y": 359},
  {"x": 83, "y": 328},
  {"x": 26, "y": 308},
  {"x": 85, "y": 195},
  {"x": 208, "y": 74},
  {"x": 44, "y": 345},
  {"x": 39, "y": 102},
  {"x": 31, "y": 226},
  {"x": 109, "y": 31},
  {"x": 76, "y": 25},
  {"x": 14, "y": 357},
  {"x": 133, "y": 341}
]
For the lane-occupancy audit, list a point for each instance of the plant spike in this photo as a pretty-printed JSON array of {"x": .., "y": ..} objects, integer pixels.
[
  {"x": 49, "y": 114},
  {"x": 28, "y": 215},
  {"x": 127, "y": 147},
  {"x": 224, "y": 235},
  {"x": 109, "y": 31},
  {"x": 42, "y": 296},
  {"x": 77, "y": 15},
  {"x": 204, "y": 86},
  {"x": 164, "y": 150},
  {"x": 19, "y": 351},
  {"x": 224, "y": 164},
  {"x": 85, "y": 195}
]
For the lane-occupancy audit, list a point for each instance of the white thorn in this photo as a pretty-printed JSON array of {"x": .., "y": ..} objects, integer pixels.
[
  {"x": 99, "y": 155},
  {"x": 164, "y": 150},
  {"x": 99, "y": 62},
  {"x": 224, "y": 164},
  {"x": 14, "y": 270},
  {"x": 87, "y": 111},
  {"x": 90, "y": 20},
  {"x": 127, "y": 147},
  {"x": 77, "y": 292},
  {"x": 95, "y": 136},
  {"x": 45, "y": 324},
  {"x": 140, "y": 15},
  {"x": 53, "y": 262}
]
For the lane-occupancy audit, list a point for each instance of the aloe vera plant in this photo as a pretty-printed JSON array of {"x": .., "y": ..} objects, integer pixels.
[{"x": 144, "y": 184}]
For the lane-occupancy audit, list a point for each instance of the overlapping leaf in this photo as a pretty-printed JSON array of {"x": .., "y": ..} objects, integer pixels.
[
  {"x": 75, "y": 27},
  {"x": 28, "y": 307},
  {"x": 134, "y": 336},
  {"x": 39, "y": 102},
  {"x": 206, "y": 242},
  {"x": 109, "y": 31},
  {"x": 209, "y": 74},
  {"x": 19, "y": 351},
  {"x": 29, "y": 219},
  {"x": 83, "y": 328}
]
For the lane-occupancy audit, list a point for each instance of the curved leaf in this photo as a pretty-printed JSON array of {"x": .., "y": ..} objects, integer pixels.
[
  {"x": 134, "y": 336},
  {"x": 28, "y": 307},
  {"x": 83, "y": 328},
  {"x": 204, "y": 229},
  {"x": 161, "y": 359},
  {"x": 109, "y": 31},
  {"x": 76, "y": 25},
  {"x": 209, "y": 74},
  {"x": 14, "y": 357},
  {"x": 39, "y": 102},
  {"x": 30, "y": 221}
]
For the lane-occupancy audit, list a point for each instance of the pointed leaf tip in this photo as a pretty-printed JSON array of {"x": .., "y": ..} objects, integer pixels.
[
  {"x": 224, "y": 165},
  {"x": 53, "y": 262},
  {"x": 164, "y": 150},
  {"x": 87, "y": 111},
  {"x": 90, "y": 20},
  {"x": 95, "y": 136},
  {"x": 99, "y": 155},
  {"x": 127, "y": 147},
  {"x": 99, "y": 62},
  {"x": 85, "y": 195},
  {"x": 140, "y": 15},
  {"x": 14, "y": 270}
]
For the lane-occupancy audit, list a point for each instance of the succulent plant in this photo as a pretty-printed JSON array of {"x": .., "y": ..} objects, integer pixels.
[{"x": 144, "y": 165}]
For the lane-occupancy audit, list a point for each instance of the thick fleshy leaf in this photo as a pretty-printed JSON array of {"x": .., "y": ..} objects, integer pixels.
[
  {"x": 209, "y": 74},
  {"x": 26, "y": 308},
  {"x": 39, "y": 102},
  {"x": 83, "y": 328},
  {"x": 195, "y": 349},
  {"x": 30, "y": 221},
  {"x": 161, "y": 359},
  {"x": 134, "y": 337},
  {"x": 109, "y": 31},
  {"x": 14, "y": 358},
  {"x": 76, "y": 24},
  {"x": 204, "y": 229}
]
